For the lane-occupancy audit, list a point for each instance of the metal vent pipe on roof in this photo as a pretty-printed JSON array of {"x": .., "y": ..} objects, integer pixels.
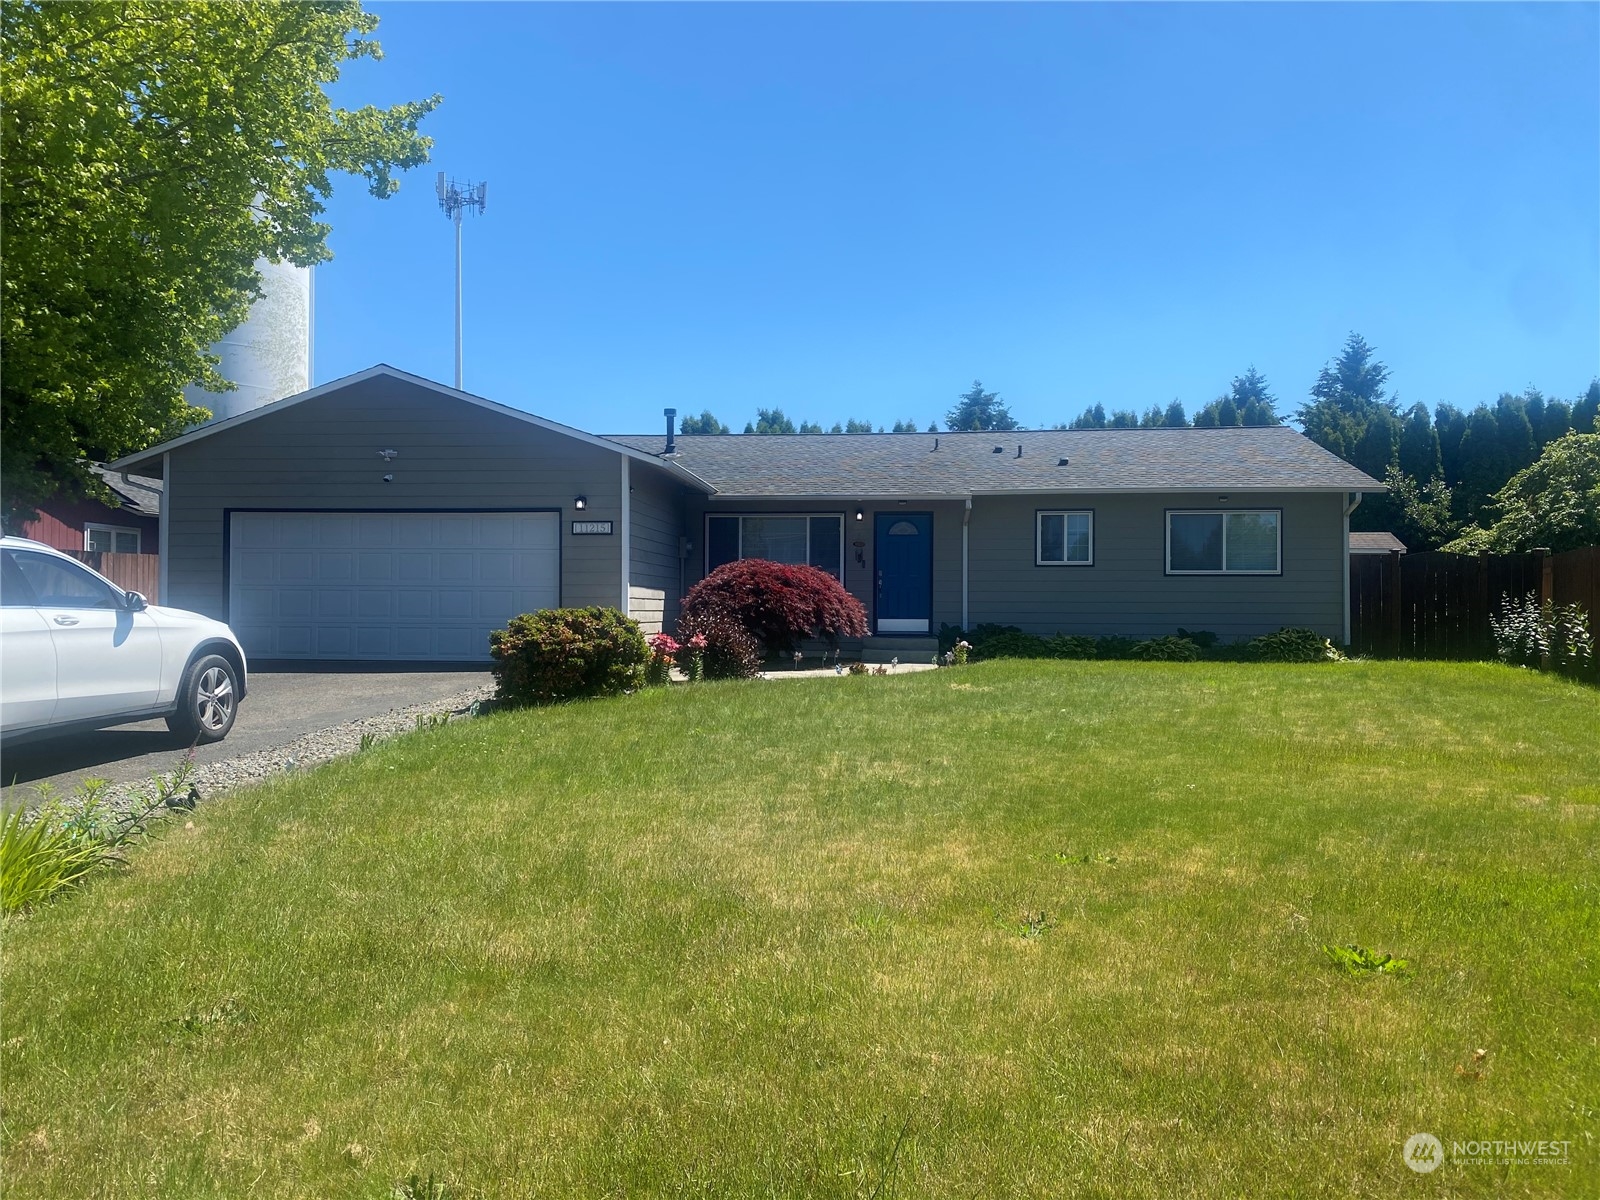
[{"x": 671, "y": 415}]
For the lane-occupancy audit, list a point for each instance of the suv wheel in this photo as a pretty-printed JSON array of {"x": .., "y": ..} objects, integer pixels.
[{"x": 208, "y": 701}]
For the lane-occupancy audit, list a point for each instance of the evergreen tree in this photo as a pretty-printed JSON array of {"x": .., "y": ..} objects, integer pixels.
[
  {"x": 704, "y": 423},
  {"x": 933, "y": 427},
  {"x": 1451, "y": 425},
  {"x": 977, "y": 410},
  {"x": 1090, "y": 418},
  {"x": 1586, "y": 411},
  {"x": 1206, "y": 418},
  {"x": 810, "y": 427},
  {"x": 1124, "y": 418},
  {"x": 769, "y": 421},
  {"x": 1155, "y": 417},
  {"x": 1556, "y": 422},
  {"x": 1419, "y": 447},
  {"x": 1176, "y": 417},
  {"x": 1347, "y": 400},
  {"x": 904, "y": 427},
  {"x": 1254, "y": 403},
  {"x": 855, "y": 426},
  {"x": 1484, "y": 465},
  {"x": 1516, "y": 434}
]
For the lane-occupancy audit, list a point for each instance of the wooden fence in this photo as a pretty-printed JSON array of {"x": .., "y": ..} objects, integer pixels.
[
  {"x": 131, "y": 572},
  {"x": 1437, "y": 605}
]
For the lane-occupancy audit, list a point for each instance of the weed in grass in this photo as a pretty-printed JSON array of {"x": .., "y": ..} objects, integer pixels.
[
  {"x": 1358, "y": 960},
  {"x": 39, "y": 859},
  {"x": 1034, "y": 924},
  {"x": 1071, "y": 859},
  {"x": 228, "y": 1011},
  {"x": 433, "y": 720},
  {"x": 414, "y": 1187},
  {"x": 368, "y": 741}
]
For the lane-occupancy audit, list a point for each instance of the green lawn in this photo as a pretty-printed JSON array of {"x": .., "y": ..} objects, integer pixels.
[{"x": 1016, "y": 929}]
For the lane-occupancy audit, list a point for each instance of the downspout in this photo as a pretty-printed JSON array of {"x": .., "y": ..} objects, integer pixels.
[
  {"x": 966, "y": 522},
  {"x": 1352, "y": 502},
  {"x": 627, "y": 542},
  {"x": 163, "y": 528}
]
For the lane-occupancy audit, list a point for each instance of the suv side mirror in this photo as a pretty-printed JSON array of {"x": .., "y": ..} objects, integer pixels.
[{"x": 135, "y": 601}]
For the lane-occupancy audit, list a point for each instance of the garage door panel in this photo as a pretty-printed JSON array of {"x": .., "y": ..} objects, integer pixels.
[
  {"x": 402, "y": 586},
  {"x": 414, "y": 604},
  {"x": 335, "y": 567},
  {"x": 294, "y": 604},
  {"x": 374, "y": 604}
]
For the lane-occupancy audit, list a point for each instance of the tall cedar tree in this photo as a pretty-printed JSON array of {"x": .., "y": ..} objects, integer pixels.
[
  {"x": 979, "y": 410},
  {"x": 153, "y": 153}
]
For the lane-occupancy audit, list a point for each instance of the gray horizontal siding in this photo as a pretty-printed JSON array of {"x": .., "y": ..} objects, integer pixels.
[
  {"x": 323, "y": 454},
  {"x": 1127, "y": 590},
  {"x": 656, "y": 524}
]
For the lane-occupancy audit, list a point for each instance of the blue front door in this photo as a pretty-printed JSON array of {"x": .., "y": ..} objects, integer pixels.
[{"x": 903, "y": 548}]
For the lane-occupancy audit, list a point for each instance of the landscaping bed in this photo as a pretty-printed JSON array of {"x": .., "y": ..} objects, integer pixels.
[{"x": 1067, "y": 928}]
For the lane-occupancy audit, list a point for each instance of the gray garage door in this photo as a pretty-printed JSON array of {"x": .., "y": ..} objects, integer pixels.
[{"x": 387, "y": 586}]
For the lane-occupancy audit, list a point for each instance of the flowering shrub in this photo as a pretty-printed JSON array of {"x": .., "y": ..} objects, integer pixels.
[
  {"x": 566, "y": 653},
  {"x": 1530, "y": 634},
  {"x": 727, "y": 649},
  {"x": 777, "y": 603},
  {"x": 664, "y": 650},
  {"x": 692, "y": 658}
]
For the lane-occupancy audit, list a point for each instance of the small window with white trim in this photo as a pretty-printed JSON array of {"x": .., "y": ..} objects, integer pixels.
[
  {"x": 1063, "y": 538},
  {"x": 112, "y": 539},
  {"x": 1232, "y": 542}
]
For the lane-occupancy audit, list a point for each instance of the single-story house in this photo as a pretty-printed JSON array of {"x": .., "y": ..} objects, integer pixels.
[
  {"x": 386, "y": 517},
  {"x": 82, "y": 524},
  {"x": 1375, "y": 543}
]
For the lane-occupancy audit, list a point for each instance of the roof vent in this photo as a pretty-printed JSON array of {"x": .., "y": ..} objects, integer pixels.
[
  {"x": 999, "y": 450},
  {"x": 935, "y": 443},
  {"x": 1019, "y": 451},
  {"x": 671, "y": 415},
  {"x": 1061, "y": 462}
]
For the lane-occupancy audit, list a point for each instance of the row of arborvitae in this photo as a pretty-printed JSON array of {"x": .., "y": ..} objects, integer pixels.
[
  {"x": 1007, "y": 641},
  {"x": 731, "y": 621}
]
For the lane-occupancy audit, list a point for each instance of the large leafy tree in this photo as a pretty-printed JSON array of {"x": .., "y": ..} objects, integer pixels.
[
  {"x": 1553, "y": 503},
  {"x": 977, "y": 409},
  {"x": 153, "y": 153}
]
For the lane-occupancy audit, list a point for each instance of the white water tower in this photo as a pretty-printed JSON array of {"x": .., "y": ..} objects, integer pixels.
[{"x": 269, "y": 356}]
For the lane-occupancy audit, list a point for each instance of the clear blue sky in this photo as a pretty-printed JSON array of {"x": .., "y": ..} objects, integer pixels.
[{"x": 851, "y": 210}]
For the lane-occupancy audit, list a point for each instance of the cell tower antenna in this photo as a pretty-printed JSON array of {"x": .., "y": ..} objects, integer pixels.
[{"x": 454, "y": 200}]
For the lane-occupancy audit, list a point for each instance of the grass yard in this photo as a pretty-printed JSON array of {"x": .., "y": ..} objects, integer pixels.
[{"x": 1018, "y": 929}]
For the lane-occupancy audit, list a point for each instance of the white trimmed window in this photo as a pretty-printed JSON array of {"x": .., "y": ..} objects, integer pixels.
[
  {"x": 799, "y": 539},
  {"x": 113, "y": 539},
  {"x": 1232, "y": 542},
  {"x": 1063, "y": 539}
]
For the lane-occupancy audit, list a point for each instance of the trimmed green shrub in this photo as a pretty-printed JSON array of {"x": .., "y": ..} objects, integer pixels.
[
  {"x": 1071, "y": 646},
  {"x": 778, "y": 603},
  {"x": 1166, "y": 649},
  {"x": 1115, "y": 648},
  {"x": 1012, "y": 645},
  {"x": 1293, "y": 646},
  {"x": 561, "y": 654}
]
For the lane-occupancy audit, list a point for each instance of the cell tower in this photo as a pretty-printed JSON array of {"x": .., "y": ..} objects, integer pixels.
[{"x": 455, "y": 199}]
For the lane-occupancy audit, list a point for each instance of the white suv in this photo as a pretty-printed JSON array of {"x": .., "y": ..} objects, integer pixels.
[{"x": 78, "y": 652}]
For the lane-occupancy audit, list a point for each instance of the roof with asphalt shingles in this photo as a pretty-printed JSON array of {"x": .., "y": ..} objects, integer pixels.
[{"x": 1272, "y": 458}]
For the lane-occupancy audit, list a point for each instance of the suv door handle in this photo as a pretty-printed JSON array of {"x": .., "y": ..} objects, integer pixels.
[{"x": 66, "y": 620}]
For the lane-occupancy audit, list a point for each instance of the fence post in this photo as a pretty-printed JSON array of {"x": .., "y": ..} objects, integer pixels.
[
  {"x": 1485, "y": 606},
  {"x": 1545, "y": 570},
  {"x": 1395, "y": 623}
]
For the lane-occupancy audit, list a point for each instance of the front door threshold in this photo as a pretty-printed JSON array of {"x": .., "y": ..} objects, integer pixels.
[{"x": 903, "y": 625}]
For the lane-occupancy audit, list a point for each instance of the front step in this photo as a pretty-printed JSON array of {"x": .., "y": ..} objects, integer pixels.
[{"x": 906, "y": 648}]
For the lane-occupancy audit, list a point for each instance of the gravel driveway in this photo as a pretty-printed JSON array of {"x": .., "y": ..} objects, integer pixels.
[{"x": 301, "y": 716}]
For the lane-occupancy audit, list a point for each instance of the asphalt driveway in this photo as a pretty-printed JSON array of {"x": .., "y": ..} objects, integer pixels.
[{"x": 281, "y": 706}]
